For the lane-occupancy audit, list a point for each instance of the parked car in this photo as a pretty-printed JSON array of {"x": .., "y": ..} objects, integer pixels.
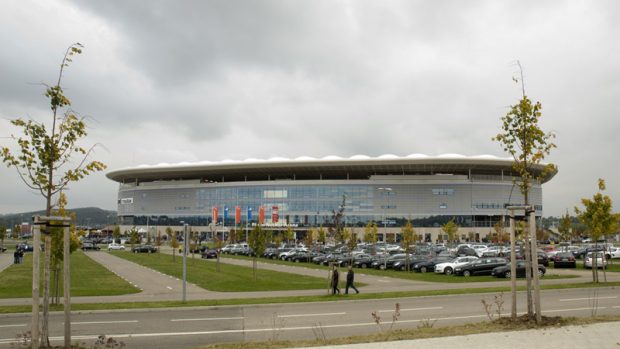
[
  {"x": 504, "y": 270},
  {"x": 613, "y": 253},
  {"x": 24, "y": 247},
  {"x": 564, "y": 260},
  {"x": 144, "y": 249},
  {"x": 466, "y": 251},
  {"x": 429, "y": 265},
  {"x": 448, "y": 267},
  {"x": 90, "y": 246},
  {"x": 115, "y": 247},
  {"x": 601, "y": 261},
  {"x": 413, "y": 260},
  {"x": 483, "y": 266},
  {"x": 209, "y": 254},
  {"x": 388, "y": 263}
]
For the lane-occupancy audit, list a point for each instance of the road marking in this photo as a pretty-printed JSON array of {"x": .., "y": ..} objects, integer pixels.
[
  {"x": 308, "y": 315},
  {"x": 16, "y": 325},
  {"x": 616, "y": 306},
  {"x": 586, "y": 299},
  {"x": 208, "y": 319},
  {"x": 168, "y": 287},
  {"x": 574, "y": 309},
  {"x": 379, "y": 280},
  {"x": 104, "y": 322},
  {"x": 410, "y": 309}
]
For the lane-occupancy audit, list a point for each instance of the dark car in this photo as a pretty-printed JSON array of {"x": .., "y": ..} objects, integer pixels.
[
  {"x": 90, "y": 246},
  {"x": 365, "y": 262},
  {"x": 387, "y": 263},
  {"x": 413, "y": 260},
  {"x": 482, "y": 266},
  {"x": 24, "y": 247},
  {"x": 564, "y": 260},
  {"x": 465, "y": 251},
  {"x": 144, "y": 249},
  {"x": 209, "y": 254},
  {"x": 429, "y": 265},
  {"x": 504, "y": 270},
  {"x": 197, "y": 249}
]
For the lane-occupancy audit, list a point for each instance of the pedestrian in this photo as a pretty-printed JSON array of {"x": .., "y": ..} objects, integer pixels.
[
  {"x": 350, "y": 277},
  {"x": 20, "y": 255},
  {"x": 335, "y": 280},
  {"x": 16, "y": 256}
]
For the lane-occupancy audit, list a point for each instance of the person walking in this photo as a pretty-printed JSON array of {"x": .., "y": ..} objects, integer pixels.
[
  {"x": 350, "y": 277},
  {"x": 335, "y": 280}
]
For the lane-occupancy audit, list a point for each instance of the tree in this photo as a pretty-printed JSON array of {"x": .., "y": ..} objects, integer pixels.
[
  {"x": 45, "y": 151},
  {"x": 218, "y": 247},
  {"x": 565, "y": 227},
  {"x": 174, "y": 242},
  {"x": 158, "y": 241},
  {"x": 2, "y": 235},
  {"x": 408, "y": 236},
  {"x": 116, "y": 233},
  {"x": 322, "y": 238},
  {"x": 134, "y": 237},
  {"x": 450, "y": 229},
  {"x": 57, "y": 253},
  {"x": 599, "y": 219},
  {"x": 370, "y": 233},
  {"x": 310, "y": 237},
  {"x": 523, "y": 139},
  {"x": 257, "y": 240},
  {"x": 289, "y": 234}
]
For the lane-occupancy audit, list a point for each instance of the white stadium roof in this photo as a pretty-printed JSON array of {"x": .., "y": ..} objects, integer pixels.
[{"x": 328, "y": 167}]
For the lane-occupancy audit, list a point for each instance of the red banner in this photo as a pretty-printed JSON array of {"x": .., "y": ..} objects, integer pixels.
[
  {"x": 237, "y": 215},
  {"x": 214, "y": 214},
  {"x": 261, "y": 215},
  {"x": 274, "y": 214}
]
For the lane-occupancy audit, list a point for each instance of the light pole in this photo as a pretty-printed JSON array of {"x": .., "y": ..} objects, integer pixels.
[
  {"x": 184, "y": 299},
  {"x": 388, "y": 191}
]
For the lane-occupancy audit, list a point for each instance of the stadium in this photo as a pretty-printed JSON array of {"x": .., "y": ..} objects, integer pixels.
[{"x": 304, "y": 192}]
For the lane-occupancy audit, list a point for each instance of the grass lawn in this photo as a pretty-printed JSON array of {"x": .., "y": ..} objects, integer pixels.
[
  {"x": 88, "y": 278},
  {"x": 230, "y": 278},
  {"x": 429, "y": 277}
]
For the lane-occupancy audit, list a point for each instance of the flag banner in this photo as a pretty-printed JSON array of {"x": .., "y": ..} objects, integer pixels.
[
  {"x": 237, "y": 215},
  {"x": 225, "y": 214},
  {"x": 214, "y": 214},
  {"x": 261, "y": 215},
  {"x": 274, "y": 214},
  {"x": 249, "y": 214}
]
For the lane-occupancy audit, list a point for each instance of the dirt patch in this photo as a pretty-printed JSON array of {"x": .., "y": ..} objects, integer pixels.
[{"x": 526, "y": 321}]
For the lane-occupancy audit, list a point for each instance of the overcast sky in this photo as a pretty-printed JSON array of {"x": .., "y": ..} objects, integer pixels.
[{"x": 183, "y": 81}]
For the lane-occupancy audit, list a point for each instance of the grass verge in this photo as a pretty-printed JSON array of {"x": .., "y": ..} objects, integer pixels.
[
  {"x": 88, "y": 278},
  {"x": 294, "y": 299},
  {"x": 501, "y": 325},
  {"x": 230, "y": 278}
]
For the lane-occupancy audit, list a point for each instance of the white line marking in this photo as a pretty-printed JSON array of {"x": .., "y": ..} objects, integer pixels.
[
  {"x": 574, "y": 309},
  {"x": 104, "y": 322},
  {"x": 208, "y": 319},
  {"x": 308, "y": 315},
  {"x": 586, "y": 299},
  {"x": 616, "y": 306},
  {"x": 168, "y": 287},
  {"x": 410, "y": 309},
  {"x": 16, "y": 325},
  {"x": 383, "y": 281}
]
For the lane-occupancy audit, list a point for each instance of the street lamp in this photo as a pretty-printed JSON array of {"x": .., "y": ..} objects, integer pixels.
[
  {"x": 388, "y": 191},
  {"x": 185, "y": 225}
]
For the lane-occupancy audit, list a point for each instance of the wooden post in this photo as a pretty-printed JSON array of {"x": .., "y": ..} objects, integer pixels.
[
  {"x": 513, "y": 268},
  {"x": 536, "y": 280},
  {"x": 36, "y": 255}
]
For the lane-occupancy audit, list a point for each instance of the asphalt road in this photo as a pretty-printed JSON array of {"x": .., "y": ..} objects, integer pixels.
[{"x": 186, "y": 328}]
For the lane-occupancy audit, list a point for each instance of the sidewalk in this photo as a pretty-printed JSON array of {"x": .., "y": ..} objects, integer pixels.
[{"x": 599, "y": 336}]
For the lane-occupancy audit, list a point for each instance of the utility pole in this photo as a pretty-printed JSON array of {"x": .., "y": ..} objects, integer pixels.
[{"x": 184, "y": 299}]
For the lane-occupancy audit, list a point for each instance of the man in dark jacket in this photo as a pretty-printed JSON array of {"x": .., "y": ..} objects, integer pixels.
[
  {"x": 335, "y": 280},
  {"x": 350, "y": 277}
]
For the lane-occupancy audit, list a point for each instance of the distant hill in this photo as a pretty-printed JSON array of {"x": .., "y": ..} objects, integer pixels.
[{"x": 87, "y": 216}]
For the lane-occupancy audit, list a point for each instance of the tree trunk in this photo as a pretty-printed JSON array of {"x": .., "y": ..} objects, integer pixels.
[
  {"x": 528, "y": 275},
  {"x": 45, "y": 342},
  {"x": 537, "y": 307},
  {"x": 513, "y": 269}
]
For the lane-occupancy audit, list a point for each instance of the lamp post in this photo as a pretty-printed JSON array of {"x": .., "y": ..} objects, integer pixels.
[
  {"x": 184, "y": 298},
  {"x": 388, "y": 191}
]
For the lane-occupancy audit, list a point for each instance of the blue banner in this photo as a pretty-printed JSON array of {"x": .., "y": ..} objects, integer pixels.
[
  {"x": 249, "y": 214},
  {"x": 225, "y": 213}
]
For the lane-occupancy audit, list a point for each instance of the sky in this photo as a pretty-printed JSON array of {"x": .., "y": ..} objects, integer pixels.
[{"x": 184, "y": 81}]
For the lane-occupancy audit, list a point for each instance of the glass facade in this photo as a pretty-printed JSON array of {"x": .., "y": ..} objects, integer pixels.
[{"x": 427, "y": 202}]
